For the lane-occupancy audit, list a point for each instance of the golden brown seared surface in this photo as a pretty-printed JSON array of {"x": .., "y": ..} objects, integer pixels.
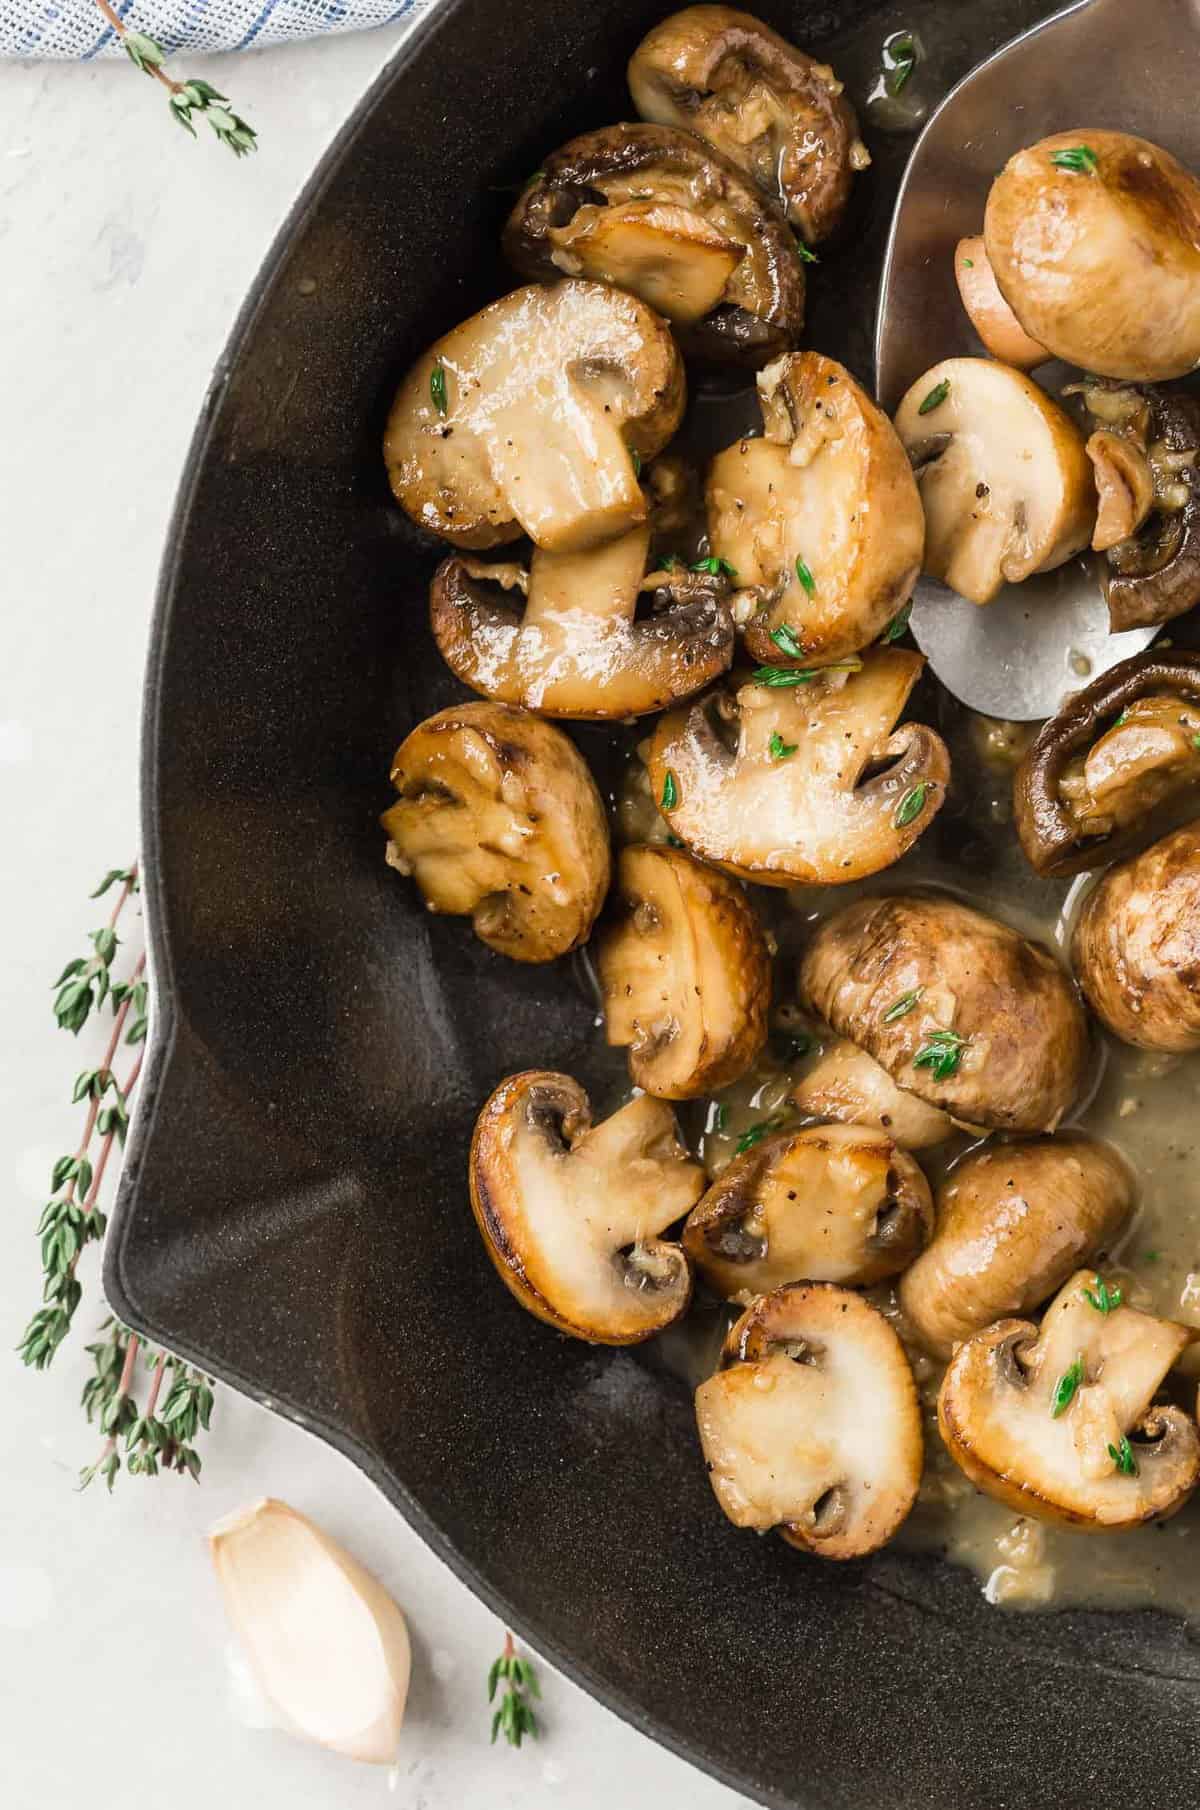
[{"x": 1136, "y": 948}]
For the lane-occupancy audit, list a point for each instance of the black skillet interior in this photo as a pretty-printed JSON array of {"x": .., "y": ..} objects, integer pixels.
[{"x": 293, "y": 1214}]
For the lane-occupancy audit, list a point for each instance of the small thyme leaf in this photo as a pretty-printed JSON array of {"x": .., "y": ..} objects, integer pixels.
[
  {"x": 636, "y": 456},
  {"x": 757, "y": 1132},
  {"x": 1065, "y": 1388},
  {"x": 1119, "y": 722},
  {"x": 1103, "y": 1298},
  {"x": 941, "y": 1053},
  {"x": 715, "y": 567},
  {"x": 937, "y": 395},
  {"x": 779, "y": 749},
  {"x": 968, "y": 263},
  {"x": 670, "y": 791},
  {"x": 143, "y": 52},
  {"x": 901, "y": 53},
  {"x": 901, "y": 1007},
  {"x": 897, "y": 625},
  {"x": 1122, "y": 1456},
  {"x": 911, "y": 805},
  {"x": 806, "y": 256},
  {"x": 805, "y": 576},
  {"x": 1151, "y": 1256},
  {"x": 437, "y": 388},
  {"x": 514, "y": 1718},
  {"x": 1080, "y": 159},
  {"x": 1196, "y": 742},
  {"x": 780, "y": 677},
  {"x": 788, "y": 642}
]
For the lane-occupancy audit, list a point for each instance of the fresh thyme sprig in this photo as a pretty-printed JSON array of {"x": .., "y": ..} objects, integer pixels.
[
  {"x": 189, "y": 99},
  {"x": 154, "y": 1440},
  {"x": 514, "y": 1718}
]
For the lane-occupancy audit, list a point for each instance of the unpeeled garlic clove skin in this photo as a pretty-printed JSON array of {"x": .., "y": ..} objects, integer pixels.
[{"x": 328, "y": 1647}]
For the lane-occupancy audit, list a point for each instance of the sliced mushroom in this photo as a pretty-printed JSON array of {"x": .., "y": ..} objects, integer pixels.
[
  {"x": 820, "y": 519},
  {"x": 778, "y": 114},
  {"x": 657, "y": 212},
  {"x": 835, "y": 1203},
  {"x": 1145, "y": 451},
  {"x": 955, "y": 1006},
  {"x": 847, "y": 1085},
  {"x": 1094, "y": 237},
  {"x": 1002, "y": 334},
  {"x": 1013, "y": 1222},
  {"x": 499, "y": 820},
  {"x": 684, "y": 973},
  {"x": 1062, "y": 1424},
  {"x": 571, "y": 1212},
  {"x": 812, "y": 1425},
  {"x": 769, "y": 780},
  {"x": 1136, "y": 948},
  {"x": 1004, "y": 478},
  {"x": 527, "y": 418},
  {"x": 579, "y": 648},
  {"x": 1090, "y": 785}
]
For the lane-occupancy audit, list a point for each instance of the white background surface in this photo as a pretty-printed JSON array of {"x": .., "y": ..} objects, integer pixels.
[{"x": 125, "y": 250}]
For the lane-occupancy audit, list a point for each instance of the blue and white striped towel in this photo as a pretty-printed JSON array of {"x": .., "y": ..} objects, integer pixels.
[{"x": 76, "y": 28}]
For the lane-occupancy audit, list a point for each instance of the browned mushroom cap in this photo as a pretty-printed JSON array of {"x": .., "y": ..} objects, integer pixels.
[
  {"x": 769, "y": 780},
  {"x": 578, "y": 648},
  {"x": 835, "y": 1203},
  {"x": 1088, "y": 786},
  {"x": 997, "y": 326},
  {"x": 847, "y": 1085},
  {"x": 571, "y": 1212},
  {"x": 956, "y": 1007},
  {"x": 1094, "y": 237},
  {"x": 820, "y": 518},
  {"x": 1061, "y": 1423},
  {"x": 813, "y": 1425},
  {"x": 1136, "y": 948},
  {"x": 499, "y": 820},
  {"x": 1013, "y": 1222},
  {"x": 684, "y": 973},
  {"x": 527, "y": 417},
  {"x": 776, "y": 112},
  {"x": 658, "y": 212}
]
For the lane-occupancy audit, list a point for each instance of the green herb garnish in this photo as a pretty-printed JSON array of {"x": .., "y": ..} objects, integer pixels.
[
  {"x": 897, "y": 625},
  {"x": 911, "y": 805},
  {"x": 782, "y": 676},
  {"x": 670, "y": 791},
  {"x": 514, "y": 1719},
  {"x": 1065, "y": 1388},
  {"x": 715, "y": 567},
  {"x": 806, "y": 256},
  {"x": 1080, "y": 159},
  {"x": 779, "y": 749},
  {"x": 721, "y": 1117},
  {"x": 935, "y": 398},
  {"x": 636, "y": 456},
  {"x": 805, "y": 576},
  {"x": 1103, "y": 1298},
  {"x": 901, "y": 55},
  {"x": 968, "y": 263},
  {"x": 1196, "y": 742},
  {"x": 900, "y": 1008},
  {"x": 941, "y": 1053},
  {"x": 1151, "y": 1256},
  {"x": 1122, "y": 1456},
  {"x": 437, "y": 388},
  {"x": 757, "y": 1132},
  {"x": 1122, "y": 719},
  {"x": 788, "y": 642}
]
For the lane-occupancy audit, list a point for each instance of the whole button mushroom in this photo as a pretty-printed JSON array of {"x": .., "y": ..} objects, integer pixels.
[
  {"x": 572, "y": 1213},
  {"x": 578, "y": 648},
  {"x": 1095, "y": 777},
  {"x": 780, "y": 115},
  {"x": 1061, "y": 1423},
  {"x": 851, "y": 1088},
  {"x": 997, "y": 326},
  {"x": 1136, "y": 947},
  {"x": 801, "y": 776},
  {"x": 1013, "y": 1222},
  {"x": 833, "y": 1203},
  {"x": 819, "y": 519},
  {"x": 528, "y": 417},
  {"x": 656, "y": 211},
  {"x": 685, "y": 975},
  {"x": 1094, "y": 237},
  {"x": 498, "y": 819},
  {"x": 955, "y": 1006},
  {"x": 1005, "y": 480},
  {"x": 812, "y": 1425}
]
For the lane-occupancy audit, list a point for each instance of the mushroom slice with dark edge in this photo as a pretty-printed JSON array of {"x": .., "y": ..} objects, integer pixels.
[
  {"x": 1061, "y": 1423},
  {"x": 1136, "y": 948},
  {"x": 1094, "y": 237},
  {"x": 771, "y": 780},
  {"x": 819, "y": 519},
  {"x": 1091, "y": 783},
  {"x": 812, "y": 1425},
  {"x": 997, "y": 326},
  {"x": 571, "y": 1212},
  {"x": 834, "y": 1203},
  {"x": 956, "y": 1007},
  {"x": 849, "y": 1087},
  {"x": 1013, "y": 1222},
  {"x": 499, "y": 820},
  {"x": 1005, "y": 481},
  {"x": 530, "y": 417},
  {"x": 685, "y": 975},
  {"x": 658, "y": 212},
  {"x": 777, "y": 113},
  {"x": 578, "y": 648},
  {"x": 1145, "y": 450}
]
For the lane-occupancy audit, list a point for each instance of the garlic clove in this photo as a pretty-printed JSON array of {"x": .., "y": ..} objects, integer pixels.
[{"x": 326, "y": 1644}]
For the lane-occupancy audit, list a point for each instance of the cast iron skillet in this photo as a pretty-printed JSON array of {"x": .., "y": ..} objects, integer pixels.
[{"x": 293, "y": 1213}]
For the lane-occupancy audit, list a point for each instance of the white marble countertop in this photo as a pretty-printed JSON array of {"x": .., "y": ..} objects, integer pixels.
[{"x": 125, "y": 250}]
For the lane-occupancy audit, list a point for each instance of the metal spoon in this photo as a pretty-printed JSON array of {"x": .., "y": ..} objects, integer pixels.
[{"x": 1100, "y": 62}]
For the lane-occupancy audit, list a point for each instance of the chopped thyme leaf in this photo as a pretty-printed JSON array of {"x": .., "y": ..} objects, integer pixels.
[
  {"x": 715, "y": 567},
  {"x": 897, "y": 625},
  {"x": 805, "y": 576},
  {"x": 1103, "y": 1298},
  {"x": 757, "y": 1132},
  {"x": 901, "y": 57},
  {"x": 788, "y": 642},
  {"x": 783, "y": 676},
  {"x": 935, "y": 398},
  {"x": 900, "y": 1008},
  {"x": 670, "y": 791},
  {"x": 968, "y": 263},
  {"x": 1123, "y": 718},
  {"x": 941, "y": 1053},
  {"x": 636, "y": 456},
  {"x": 437, "y": 388},
  {"x": 1065, "y": 1388},
  {"x": 911, "y": 805},
  {"x": 1122, "y": 1456},
  {"x": 779, "y": 749},
  {"x": 1081, "y": 159},
  {"x": 1196, "y": 742},
  {"x": 806, "y": 256}
]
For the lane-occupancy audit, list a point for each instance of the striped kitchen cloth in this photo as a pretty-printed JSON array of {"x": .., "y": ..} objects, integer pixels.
[{"x": 76, "y": 28}]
